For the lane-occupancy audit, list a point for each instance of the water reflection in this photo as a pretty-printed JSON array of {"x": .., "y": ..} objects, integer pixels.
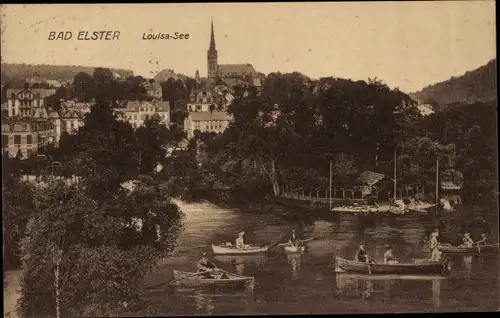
[
  {"x": 393, "y": 287},
  {"x": 203, "y": 304},
  {"x": 295, "y": 260},
  {"x": 436, "y": 293},
  {"x": 468, "y": 264}
]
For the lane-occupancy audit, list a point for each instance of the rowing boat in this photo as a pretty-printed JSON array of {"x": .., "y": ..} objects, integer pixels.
[
  {"x": 231, "y": 280},
  {"x": 295, "y": 249},
  {"x": 402, "y": 269},
  {"x": 489, "y": 248},
  {"x": 233, "y": 250}
]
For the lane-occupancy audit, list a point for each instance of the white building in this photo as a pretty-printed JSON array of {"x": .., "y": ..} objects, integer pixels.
[
  {"x": 215, "y": 122},
  {"x": 135, "y": 112},
  {"x": 25, "y": 101}
]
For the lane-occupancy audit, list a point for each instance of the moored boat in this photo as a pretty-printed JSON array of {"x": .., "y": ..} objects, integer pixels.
[
  {"x": 427, "y": 268},
  {"x": 489, "y": 248},
  {"x": 231, "y": 280},
  {"x": 233, "y": 250},
  {"x": 295, "y": 249}
]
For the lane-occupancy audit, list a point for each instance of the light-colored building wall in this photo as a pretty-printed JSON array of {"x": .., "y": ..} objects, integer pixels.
[
  {"x": 216, "y": 122},
  {"x": 137, "y": 112},
  {"x": 26, "y": 135},
  {"x": 23, "y": 102}
]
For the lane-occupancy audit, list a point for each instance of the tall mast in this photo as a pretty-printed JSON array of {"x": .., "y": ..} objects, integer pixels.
[
  {"x": 330, "y": 185},
  {"x": 395, "y": 176},
  {"x": 437, "y": 180}
]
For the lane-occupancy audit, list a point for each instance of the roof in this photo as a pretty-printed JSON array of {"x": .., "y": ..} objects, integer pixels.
[
  {"x": 134, "y": 105},
  {"x": 236, "y": 69},
  {"x": 26, "y": 126},
  {"x": 54, "y": 83},
  {"x": 54, "y": 114},
  {"x": 71, "y": 113},
  {"x": 370, "y": 177},
  {"x": 208, "y": 116},
  {"x": 44, "y": 92},
  {"x": 231, "y": 81}
]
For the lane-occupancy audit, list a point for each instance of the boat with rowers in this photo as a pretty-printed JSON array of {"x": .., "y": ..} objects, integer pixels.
[
  {"x": 400, "y": 268},
  {"x": 214, "y": 280},
  {"x": 475, "y": 249},
  {"x": 229, "y": 249},
  {"x": 295, "y": 249}
]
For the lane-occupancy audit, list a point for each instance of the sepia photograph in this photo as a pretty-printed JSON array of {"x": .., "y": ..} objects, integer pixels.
[{"x": 198, "y": 159}]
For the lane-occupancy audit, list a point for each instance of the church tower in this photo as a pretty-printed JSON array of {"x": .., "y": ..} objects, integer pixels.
[{"x": 212, "y": 55}]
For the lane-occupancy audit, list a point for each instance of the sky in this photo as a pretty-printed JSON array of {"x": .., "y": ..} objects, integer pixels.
[{"x": 408, "y": 45}]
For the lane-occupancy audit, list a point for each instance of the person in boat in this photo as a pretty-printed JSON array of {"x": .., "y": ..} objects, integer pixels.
[
  {"x": 389, "y": 257},
  {"x": 209, "y": 269},
  {"x": 294, "y": 241},
  {"x": 436, "y": 254},
  {"x": 483, "y": 240},
  {"x": 361, "y": 254},
  {"x": 240, "y": 242},
  {"x": 467, "y": 240}
]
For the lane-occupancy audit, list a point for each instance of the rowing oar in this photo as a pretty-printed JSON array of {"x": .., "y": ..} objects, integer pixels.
[
  {"x": 369, "y": 266},
  {"x": 303, "y": 241},
  {"x": 188, "y": 276}
]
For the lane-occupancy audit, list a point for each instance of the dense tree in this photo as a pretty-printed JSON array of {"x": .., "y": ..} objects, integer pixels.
[
  {"x": 16, "y": 209},
  {"x": 151, "y": 141},
  {"x": 103, "y": 151},
  {"x": 112, "y": 245},
  {"x": 84, "y": 86}
]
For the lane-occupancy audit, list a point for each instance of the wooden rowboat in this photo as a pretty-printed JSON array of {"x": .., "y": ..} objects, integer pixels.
[
  {"x": 427, "y": 268},
  {"x": 232, "y": 280},
  {"x": 295, "y": 249},
  {"x": 489, "y": 248},
  {"x": 233, "y": 250}
]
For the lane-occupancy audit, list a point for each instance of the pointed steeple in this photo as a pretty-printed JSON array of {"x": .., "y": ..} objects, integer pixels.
[{"x": 212, "y": 36}]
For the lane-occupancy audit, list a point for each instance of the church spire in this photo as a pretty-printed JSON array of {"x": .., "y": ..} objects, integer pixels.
[{"x": 212, "y": 36}]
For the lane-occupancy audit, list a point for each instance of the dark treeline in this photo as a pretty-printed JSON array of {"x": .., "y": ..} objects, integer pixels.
[{"x": 290, "y": 132}]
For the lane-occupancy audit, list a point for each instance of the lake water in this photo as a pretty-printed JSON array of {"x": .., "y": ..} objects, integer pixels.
[{"x": 307, "y": 283}]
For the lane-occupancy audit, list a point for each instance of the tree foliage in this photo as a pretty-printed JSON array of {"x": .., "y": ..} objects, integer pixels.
[{"x": 93, "y": 254}]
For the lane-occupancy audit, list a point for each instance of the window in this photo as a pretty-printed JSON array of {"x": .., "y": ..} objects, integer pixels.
[
  {"x": 17, "y": 139},
  {"x": 29, "y": 152},
  {"x": 13, "y": 96},
  {"x": 198, "y": 107},
  {"x": 29, "y": 139}
]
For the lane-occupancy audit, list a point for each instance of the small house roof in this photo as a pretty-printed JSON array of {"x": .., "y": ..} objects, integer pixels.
[
  {"x": 208, "y": 116},
  {"x": 370, "y": 177}
]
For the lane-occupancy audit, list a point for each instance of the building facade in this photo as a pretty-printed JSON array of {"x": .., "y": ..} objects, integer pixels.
[
  {"x": 136, "y": 112},
  {"x": 211, "y": 122},
  {"x": 26, "y": 101},
  {"x": 26, "y": 136}
]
